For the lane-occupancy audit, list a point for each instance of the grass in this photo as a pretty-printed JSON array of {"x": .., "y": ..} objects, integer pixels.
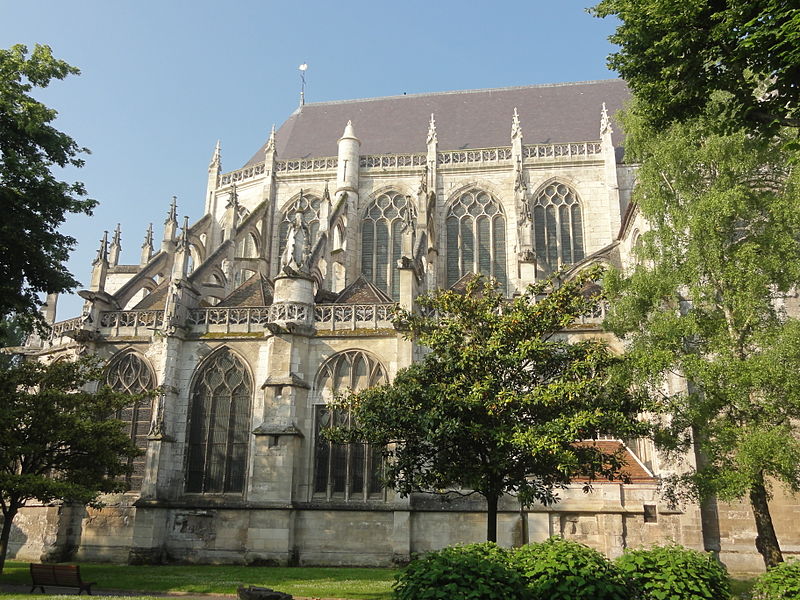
[
  {"x": 319, "y": 582},
  {"x": 740, "y": 588}
]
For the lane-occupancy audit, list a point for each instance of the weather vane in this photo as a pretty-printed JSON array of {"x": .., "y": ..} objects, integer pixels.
[{"x": 303, "y": 69}]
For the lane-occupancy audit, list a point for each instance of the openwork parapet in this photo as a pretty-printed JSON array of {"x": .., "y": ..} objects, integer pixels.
[
  {"x": 457, "y": 157},
  {"x": 62, "y": 327},
  {"x": 132, "y": 319},
  {"x": 242, "y": 174},
  {"x": 310, "y": 164},
  {"x": 393, "y": 160},
  {"x": 561, "y": 150}
]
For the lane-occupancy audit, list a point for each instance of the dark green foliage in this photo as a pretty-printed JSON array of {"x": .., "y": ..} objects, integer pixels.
[
  {"x": 704, "y": 301},
  {"x": 32, "y": 251},
  {"x": 498, "y": 403},
  {"x": 473, "y": 572},
  {"x": 781, "y": 582},
  {"x": 58, "y": 440},
  {"x": 559, "y": 569},
  {"x": 675, "y": 55},
  {"x": 675, "y": 573}
]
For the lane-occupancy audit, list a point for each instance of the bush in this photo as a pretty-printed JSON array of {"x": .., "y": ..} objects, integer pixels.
[
  {"x": 476, "y": 572},
  {"x": 781, "y": 582},
  {"x": 676, "y": 573},
  {"x": 559, "y": 569}
]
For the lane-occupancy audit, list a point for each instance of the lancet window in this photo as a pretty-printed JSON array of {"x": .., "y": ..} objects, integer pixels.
[
  {"x": 382, "y": 241},
  {"x": 309, "y": 207},
  {"x": 130, "y": 374},
  {"x": 558, "y": 226},
  {"x": 348, "y": 471},
  {"x": 476, "y": 238},
  {"x": 219, "y": 418}
]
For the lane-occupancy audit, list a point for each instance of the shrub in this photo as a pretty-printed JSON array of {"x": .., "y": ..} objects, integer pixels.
[
  {"x": 474, "y": 572},
  {"x": 559, "y": 569},
  {"x": 781, "y": 582},
  {"x": 676, "y": 573}
]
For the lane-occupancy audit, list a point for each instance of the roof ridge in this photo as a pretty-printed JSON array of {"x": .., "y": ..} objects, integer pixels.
[{"x": 299, "y": 110}]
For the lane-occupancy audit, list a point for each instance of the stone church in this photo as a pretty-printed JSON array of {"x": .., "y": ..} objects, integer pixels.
[{"x": 281, "y": 294}]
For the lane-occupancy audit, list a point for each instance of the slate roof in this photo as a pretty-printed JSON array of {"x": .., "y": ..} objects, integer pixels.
[
  {"x": 155, "y": 300},
  {"x": 362, "y": 291},
  {"x": 553, "y": 113},
  {"x": 256, "y": 291}
]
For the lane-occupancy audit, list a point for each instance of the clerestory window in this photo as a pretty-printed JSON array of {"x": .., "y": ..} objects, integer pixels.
[
  {"x": 219, "y": 418},
  {"x": 130, "y": 374},
  {"x": 382, "y": 241},
  {"x": 346, "y": 471},
  {"x": 476, "y": 238},
  {"x": 557, "y": 226}
]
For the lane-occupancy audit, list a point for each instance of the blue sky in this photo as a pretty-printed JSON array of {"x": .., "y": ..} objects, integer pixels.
[{"x": 163, "y": 80}]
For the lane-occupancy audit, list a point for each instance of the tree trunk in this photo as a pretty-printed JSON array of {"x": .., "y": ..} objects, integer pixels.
[
  {"x": 5, "y": 533},
  {"x": 491, "y": 518},
  {"x": 766, "y": 540}
]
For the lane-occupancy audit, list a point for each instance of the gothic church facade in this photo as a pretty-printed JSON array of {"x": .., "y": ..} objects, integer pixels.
[{"x": 281, "y": 294}]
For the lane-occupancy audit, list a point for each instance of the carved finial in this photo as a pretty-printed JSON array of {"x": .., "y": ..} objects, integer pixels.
[
  {"x": 117, "y": 240},
  {"x": 102, "y": 251},
  {"x": 516, "y": 129},
  {"x": 172, "y": 216},
  {"x": 271, "y": 140},
  {"x": 216, "y": 158},
  {"x": 432, "y": 139},
  {"x": 326, "y": 193},
  {"x": 605, "y": 122},
  {"x": 148, "y": 237}
]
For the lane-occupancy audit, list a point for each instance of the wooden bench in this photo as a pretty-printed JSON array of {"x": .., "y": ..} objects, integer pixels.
[{"x": 59, "y": 576}]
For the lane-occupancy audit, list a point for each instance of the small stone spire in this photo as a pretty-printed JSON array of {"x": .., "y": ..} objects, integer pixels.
[
  {"x": 605, "y": 122},
  {"x": 116, "y": 246},
  {"x": 170, "y": 226},
  {"x": 432, "y": 139},
  {"x": 216, "y": 159},
  {"x": 102, "y": 251},
  {"x": 271, "y": 141},
  {"x": 147, "y": 246},
  {"x": 184, "y": 239}
]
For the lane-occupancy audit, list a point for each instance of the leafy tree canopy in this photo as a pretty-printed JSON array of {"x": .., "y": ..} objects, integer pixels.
[
  {"x": 675, "y": 55},
  {"x": 711, "y": 299},
  {"x": 498, "y": 403},
  {"x": 32, "y": 251},
  {"x": 57, "y": 440}
]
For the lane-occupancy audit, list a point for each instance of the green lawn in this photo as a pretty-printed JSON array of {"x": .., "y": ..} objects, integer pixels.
[{"x": 327, "y": 582}]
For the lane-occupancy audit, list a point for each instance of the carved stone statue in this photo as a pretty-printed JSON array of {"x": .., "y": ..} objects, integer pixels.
[{"x": 298, "y": 245}]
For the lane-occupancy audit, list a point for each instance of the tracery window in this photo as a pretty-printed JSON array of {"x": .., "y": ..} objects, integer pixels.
[
  {"x": 382, "y": 241},
  {"x": 309, "y": 206},
  {"x": 219, "y": 418},
  {"x": 476, "y": 238},
  {"x": 130, "y": 374},
  {"x": 349, "y": 471},
  {"x": 558, "y": 226}
]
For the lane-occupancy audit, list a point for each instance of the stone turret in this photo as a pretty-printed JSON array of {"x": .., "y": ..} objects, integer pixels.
[{"x": 349, "y": 156}]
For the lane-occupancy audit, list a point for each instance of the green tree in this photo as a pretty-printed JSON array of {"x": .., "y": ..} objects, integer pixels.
[
  {"x": 57, "y": 440},
  {"x": 502, "y": 399},
  {"x": 675, "y": 55},
  {"x": 32, "y": 251},
  {"x": 708, "y": 302}
]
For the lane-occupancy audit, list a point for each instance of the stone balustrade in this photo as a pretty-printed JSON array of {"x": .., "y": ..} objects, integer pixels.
[{"x": 531, "y": 152}]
